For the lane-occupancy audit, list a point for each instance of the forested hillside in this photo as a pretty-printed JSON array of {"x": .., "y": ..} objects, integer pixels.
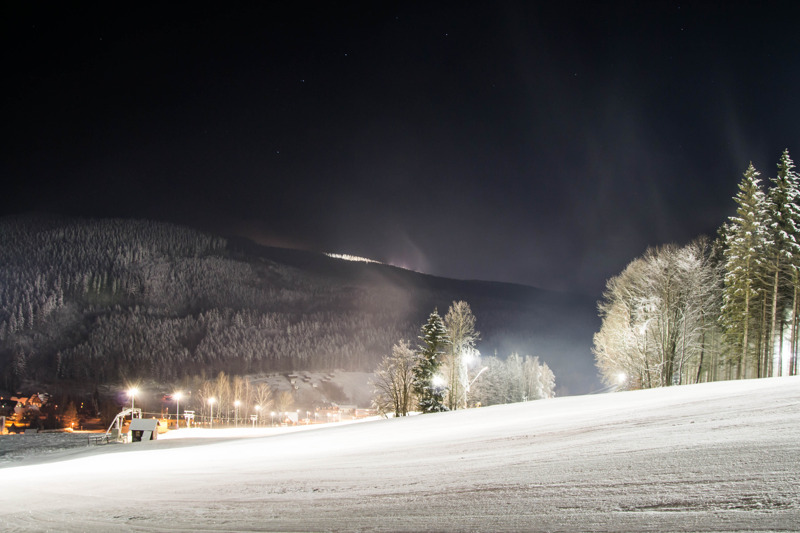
[{"x": 103, "y": 301}]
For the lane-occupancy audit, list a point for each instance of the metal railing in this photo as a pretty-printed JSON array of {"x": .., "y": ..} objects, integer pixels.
[{"x": 98, "y": 439}]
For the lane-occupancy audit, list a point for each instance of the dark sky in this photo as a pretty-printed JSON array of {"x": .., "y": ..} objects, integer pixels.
[{"x": 540, "y": 143}]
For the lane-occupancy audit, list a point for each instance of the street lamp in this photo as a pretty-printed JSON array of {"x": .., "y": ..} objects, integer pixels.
[
  {"x": 469, "y": 358},
  {"x": 211, "y": 403},
  {"x": 258, "y": 411},
  {"x": 466, "y": 389},
  {"x": 272, "y": 414},
  {"x": 177, "y": 397},
  {"x": 236, "y": 413},
  {"x": 133, "y": 391}
]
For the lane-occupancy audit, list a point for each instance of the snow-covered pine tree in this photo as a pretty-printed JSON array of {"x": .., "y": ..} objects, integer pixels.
[
  {"x": 547, "y": 380},
  {"x": 427, "y": 389},
  {"x": 783, "y": 227},
  {"x": 540, "y": 382},
  {"x": 744, "y": 237}
]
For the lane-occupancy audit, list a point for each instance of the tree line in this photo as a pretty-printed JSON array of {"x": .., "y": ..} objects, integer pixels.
[
  {"x": 713, "y": 309},
  {"x": 231, "y": 398},
  {"x": 446, "y": 372}
]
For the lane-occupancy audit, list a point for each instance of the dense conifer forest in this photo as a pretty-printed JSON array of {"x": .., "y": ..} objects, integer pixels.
[{"x": 105, "y": 301}]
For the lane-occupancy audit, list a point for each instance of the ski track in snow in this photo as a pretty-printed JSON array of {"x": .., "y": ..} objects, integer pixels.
[{"x": 713, "y": 457}]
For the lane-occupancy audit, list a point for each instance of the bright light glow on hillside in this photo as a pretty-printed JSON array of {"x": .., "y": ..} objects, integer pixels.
[{"x": 348, "y": 257}]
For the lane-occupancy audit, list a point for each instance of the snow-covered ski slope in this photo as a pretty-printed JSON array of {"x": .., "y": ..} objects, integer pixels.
[{"x": 713, "y": 457}]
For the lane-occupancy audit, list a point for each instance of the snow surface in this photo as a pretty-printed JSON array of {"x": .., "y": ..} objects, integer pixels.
[
  {"x": 15, "y": 447},
  {"x": 713, "y": 457}
]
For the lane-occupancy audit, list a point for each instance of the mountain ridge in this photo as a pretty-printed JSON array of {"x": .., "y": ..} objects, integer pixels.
[{"x": 108, "y": 299}]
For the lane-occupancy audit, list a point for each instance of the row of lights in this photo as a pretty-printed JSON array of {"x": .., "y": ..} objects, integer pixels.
[{"x": 133, "y": 391}]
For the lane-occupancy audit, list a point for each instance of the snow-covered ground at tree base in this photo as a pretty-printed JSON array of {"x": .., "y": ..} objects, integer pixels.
[{"x": 713, "y": 457}]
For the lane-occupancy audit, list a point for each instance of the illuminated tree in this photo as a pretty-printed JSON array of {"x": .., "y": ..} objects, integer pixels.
[
  {"x": 540, "y": 382},
  {"x": 285, "y": 401},
  {"x": 744, "y": 239},
  {"x": 516, "y": 379},
  {"x": 783, "y": 252},
  {"x": 460, "y": 324},
  {"x": 429, "y": 387},
  {"x": 656, "y": 316},
  {"x": 263, "y": 396},
  {"x": 393, "y": 380},
  {"x": 222, "y": 393}
]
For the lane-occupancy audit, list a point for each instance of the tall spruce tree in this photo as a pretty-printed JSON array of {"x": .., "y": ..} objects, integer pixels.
[
  {"x": 783, "y": 225},
  {"x": 744, "y": 239},
  {"x": 429, "y": 387}
]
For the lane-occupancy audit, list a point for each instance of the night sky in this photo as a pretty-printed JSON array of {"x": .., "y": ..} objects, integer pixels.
[{"x": 540, "y": 143}]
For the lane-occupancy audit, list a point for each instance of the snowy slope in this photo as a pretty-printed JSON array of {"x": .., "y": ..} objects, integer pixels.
[{"x": 713, "y": 457}]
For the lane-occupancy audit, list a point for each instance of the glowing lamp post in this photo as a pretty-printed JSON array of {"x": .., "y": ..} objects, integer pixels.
[
  {"x": 469, "y": 358},
  {"x": 258, "y": 411},
  {"x": 622, "y": 378},
  {"x": 132, "y": 392},
  {"x": 211, "y": 403},
  {"x": 236, "y": 413},
  {"x": 466, "y": 389},
  {"x": 177, "y": 397},
  {"x": 272, "y": 414}
]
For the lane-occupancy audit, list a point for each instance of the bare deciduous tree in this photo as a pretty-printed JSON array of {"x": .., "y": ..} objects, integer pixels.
[
  {"x": 657, "y": 316},
  {"x": 394, "y": 379},
  {"x": 285, "y": 401},
  {"x": 263, "y": 396},
  {"x": 460, "y": 324}
]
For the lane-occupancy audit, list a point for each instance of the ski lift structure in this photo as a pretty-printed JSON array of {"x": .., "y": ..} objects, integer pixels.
[{"x": 114, "y": 432}]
